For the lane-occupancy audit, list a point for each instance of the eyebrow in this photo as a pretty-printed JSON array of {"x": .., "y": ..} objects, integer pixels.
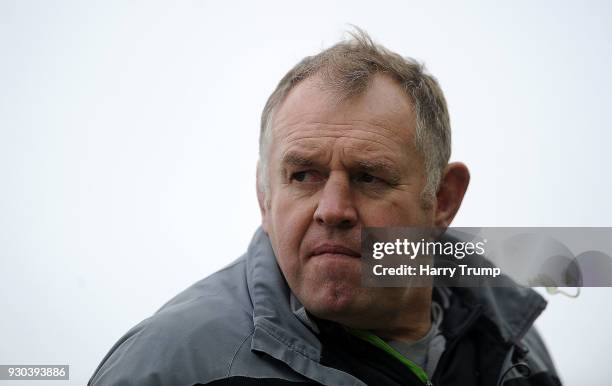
[
  {"x": 376, "y": 167},
  {"x": 296, "y": 159}
]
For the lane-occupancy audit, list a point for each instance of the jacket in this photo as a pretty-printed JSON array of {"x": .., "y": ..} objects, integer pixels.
[{"x": 242, "y": 326}]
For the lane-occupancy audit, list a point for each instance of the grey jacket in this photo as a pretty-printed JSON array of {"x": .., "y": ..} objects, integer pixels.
[{"x": 243, "y": 321}]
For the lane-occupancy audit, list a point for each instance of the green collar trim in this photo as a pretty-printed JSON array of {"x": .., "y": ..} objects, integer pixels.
[{"x": 381, "y": 344}]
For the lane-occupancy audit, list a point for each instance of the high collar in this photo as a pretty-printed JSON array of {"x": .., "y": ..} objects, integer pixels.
[
  {"x": 271, "y": 297},
  {"x": 511, "y": 307},
  {"x": 278, "y": 330}
]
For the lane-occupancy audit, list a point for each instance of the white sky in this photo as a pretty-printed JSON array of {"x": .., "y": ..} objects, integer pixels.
[{"x": 128, "y": 142}]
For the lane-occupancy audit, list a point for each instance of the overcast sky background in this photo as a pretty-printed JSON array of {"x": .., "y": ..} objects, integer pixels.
[{"x": 128, "y": 143}]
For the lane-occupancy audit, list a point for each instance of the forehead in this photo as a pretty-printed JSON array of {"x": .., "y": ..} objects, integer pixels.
[{"x": 381, "y": 119}]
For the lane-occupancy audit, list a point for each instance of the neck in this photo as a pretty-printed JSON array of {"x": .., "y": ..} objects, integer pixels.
[
  {"x": 413, "y": 321},
  {"x": 411, "y": 328},
  {"x": 408, "y": 322}
]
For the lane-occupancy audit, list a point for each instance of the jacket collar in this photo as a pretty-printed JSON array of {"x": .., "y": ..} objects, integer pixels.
[
  {"x": 279, "y": 330},
  {"x": 271, "y": 297},
  {"x": 512, "y": 308}
]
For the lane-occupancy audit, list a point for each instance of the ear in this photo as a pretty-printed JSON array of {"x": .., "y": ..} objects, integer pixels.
[
  {"x": 261, "y": 197},
  {"x": 454, "y": 183}
]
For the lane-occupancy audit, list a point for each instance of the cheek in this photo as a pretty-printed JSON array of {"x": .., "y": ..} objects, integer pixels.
[
  {"x": 398, "y": 210},
  {"x": 288, "y": 221},
  {"x": 291, "y": 218}
]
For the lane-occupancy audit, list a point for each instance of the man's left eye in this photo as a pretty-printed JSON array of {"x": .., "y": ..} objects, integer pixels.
[{"x": 367, "y": 178}]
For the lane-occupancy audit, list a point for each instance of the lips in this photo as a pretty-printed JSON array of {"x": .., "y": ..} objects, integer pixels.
[{"x": 335, "y": 249}]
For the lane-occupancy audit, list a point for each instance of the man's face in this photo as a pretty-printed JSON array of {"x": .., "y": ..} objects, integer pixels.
[{"x": 335, "y": 168}]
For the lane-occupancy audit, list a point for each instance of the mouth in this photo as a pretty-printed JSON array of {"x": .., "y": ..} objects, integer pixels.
[{"x": 334, "y": 249}]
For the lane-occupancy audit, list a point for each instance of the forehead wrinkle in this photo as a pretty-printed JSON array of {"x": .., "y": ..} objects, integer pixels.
[
  {"x": 385, "y": 125},
  {"x": 333, "y": 139},
  {"x": 370, "y": 156},
  {"x": 373, "y": 127},
  {"x": 372, "y": 136}
]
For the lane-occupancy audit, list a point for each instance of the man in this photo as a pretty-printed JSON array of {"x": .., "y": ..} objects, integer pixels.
[{"x": 353, "y": 137}]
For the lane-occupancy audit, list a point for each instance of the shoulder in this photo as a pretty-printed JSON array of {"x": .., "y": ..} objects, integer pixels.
[{"x": 192, "y": 338}]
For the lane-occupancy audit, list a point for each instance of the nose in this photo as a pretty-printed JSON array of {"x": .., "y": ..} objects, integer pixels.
[{"x": 336, "y": 206}]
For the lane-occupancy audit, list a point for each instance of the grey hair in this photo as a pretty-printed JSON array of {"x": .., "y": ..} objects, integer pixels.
[{"x": 347, "y": 68}]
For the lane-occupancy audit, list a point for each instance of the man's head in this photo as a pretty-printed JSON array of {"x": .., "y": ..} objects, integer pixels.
[{"x": 354, "y": 137}]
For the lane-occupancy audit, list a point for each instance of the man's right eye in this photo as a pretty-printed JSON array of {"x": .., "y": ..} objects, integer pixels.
[
  {"x": 299, "y": 176},
  {"x": 305, "y": 176}
]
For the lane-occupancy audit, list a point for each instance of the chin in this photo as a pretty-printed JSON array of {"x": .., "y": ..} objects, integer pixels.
[{"x": 334, "y": 303}]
